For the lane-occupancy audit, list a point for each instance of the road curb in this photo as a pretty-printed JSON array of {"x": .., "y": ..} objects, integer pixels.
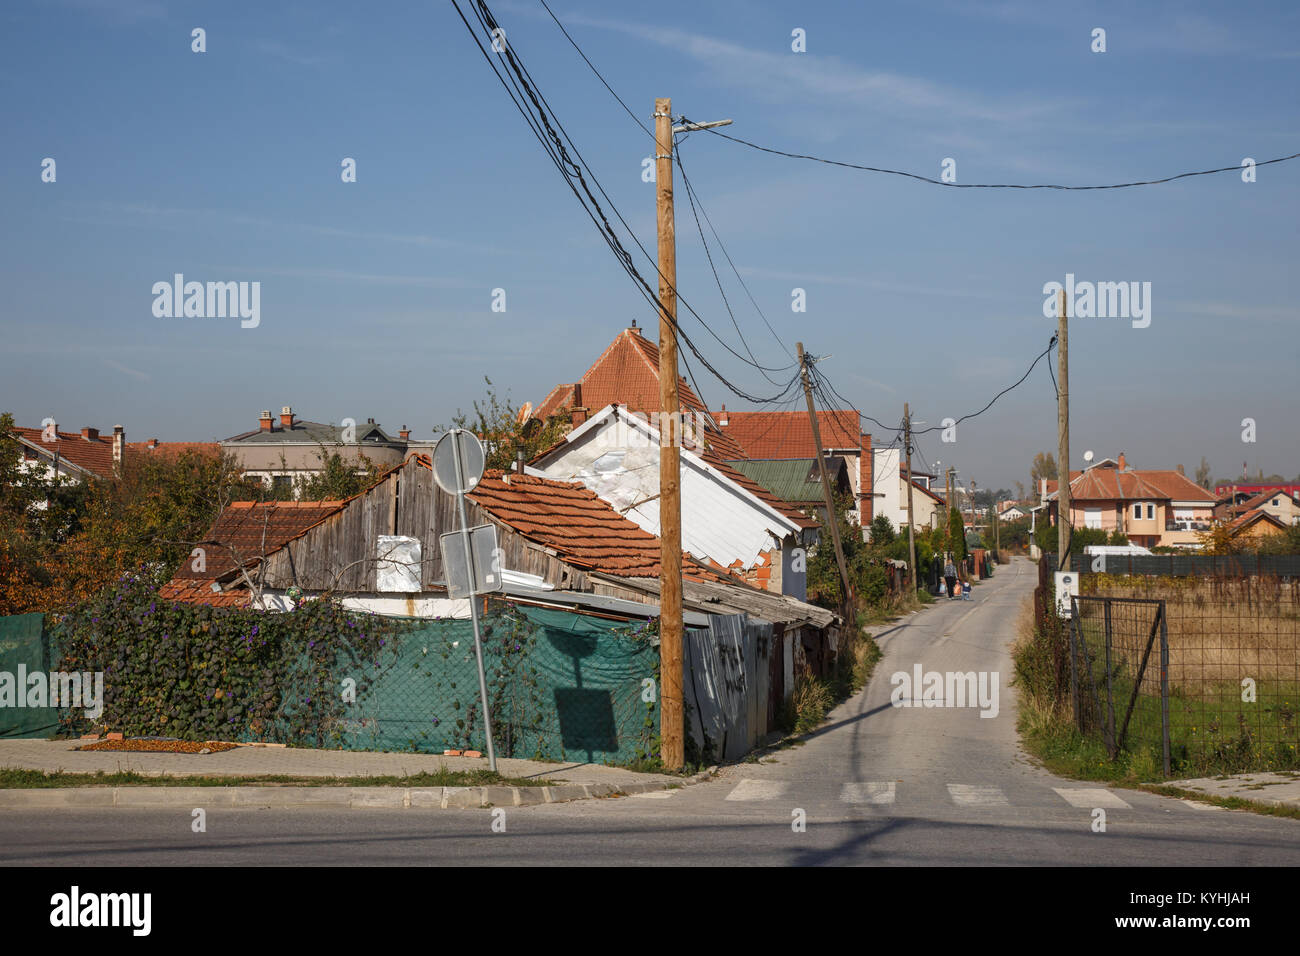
[{"x": 356, "y": 798}]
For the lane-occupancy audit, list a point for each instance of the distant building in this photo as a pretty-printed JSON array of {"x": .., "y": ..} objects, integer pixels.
[
  {"x": 48, "y": 451},
  {"x": 279, "y": 452},
  {"x": 1153, "y": 508}
]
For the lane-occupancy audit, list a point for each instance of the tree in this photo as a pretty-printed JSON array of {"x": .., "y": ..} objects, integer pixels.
[
  {"x": 338, "y": 478},
  {"x": 498, "y": 424},
  {"x": 882, "y": 530},
  {"x": 1020, "y": 491},
  {"x": 1203, "y": 473},
  {"x": 956, "y": 537},
  {"x": 1044, "y": 466}
]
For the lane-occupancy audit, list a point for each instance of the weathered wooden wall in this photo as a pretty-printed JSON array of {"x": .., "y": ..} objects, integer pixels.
[{"x": 341, "y": 552}]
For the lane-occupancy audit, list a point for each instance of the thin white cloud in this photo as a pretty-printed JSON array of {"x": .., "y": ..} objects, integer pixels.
[
  {"x": 151, "y": 214},
  {"x": 125, "y": 370},
  {"x": 281, "y": 51},
  {"x": 783, "y": 76}
]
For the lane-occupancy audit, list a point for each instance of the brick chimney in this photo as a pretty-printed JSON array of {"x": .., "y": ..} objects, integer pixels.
[
  {"x": 578, "y": 413},
  {"x": 404, "y": 434},
  {"x": 90, "y": 434},
  {"x": 265, "y": 421},
  {"x": 723, "y": 420},
  {"x": 119, "y": 446},
  {"x": 286, "y": 418},
  {"x": 1123, "y": 465}
]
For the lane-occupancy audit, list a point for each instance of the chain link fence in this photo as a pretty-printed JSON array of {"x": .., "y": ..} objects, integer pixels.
[{"x": 1201, "y": 671}]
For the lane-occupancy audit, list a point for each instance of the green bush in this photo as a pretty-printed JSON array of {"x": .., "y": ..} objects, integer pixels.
[{"x": 200, "y": 673}]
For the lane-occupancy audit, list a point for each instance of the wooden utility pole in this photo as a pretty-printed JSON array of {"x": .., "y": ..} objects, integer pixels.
[
  {"x": 911, "y": 541},
  {"x": 832, "y": 517},
  {"x": 672, "y": 722},
  {"x": 1063, "y": 450}
]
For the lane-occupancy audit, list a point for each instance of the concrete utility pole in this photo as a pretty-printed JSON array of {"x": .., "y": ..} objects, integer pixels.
[
  {"x": 1063, "y": 451},
  {"x": 911, "y": 541},
  {"x": 832, "y": 517},
  {"x": 672, "y": 719}
]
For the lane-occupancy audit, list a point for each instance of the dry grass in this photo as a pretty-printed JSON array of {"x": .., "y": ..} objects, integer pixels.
[{"x": 1220, "y": 630}]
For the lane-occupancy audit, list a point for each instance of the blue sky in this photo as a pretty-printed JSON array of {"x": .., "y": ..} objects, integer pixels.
[{"x": 376, "y": 295}]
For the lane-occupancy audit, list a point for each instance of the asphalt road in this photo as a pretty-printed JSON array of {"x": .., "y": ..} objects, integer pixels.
[{"x": 878, "y": 784}]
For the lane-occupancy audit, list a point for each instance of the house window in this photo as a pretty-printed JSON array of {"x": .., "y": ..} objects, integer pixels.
[
  {"x": 1137, "y": 512},
  {"x": 281, "y": 483},
  {"x": 1275, "y": 502},
  {"x": 1151, "y": 512},
  {"x": 1092, "y": 517}
]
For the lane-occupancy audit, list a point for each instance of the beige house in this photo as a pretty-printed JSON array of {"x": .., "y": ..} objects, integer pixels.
[
  {"x": 279, "y": 452},
  {"x": 1154, "y": 508}
]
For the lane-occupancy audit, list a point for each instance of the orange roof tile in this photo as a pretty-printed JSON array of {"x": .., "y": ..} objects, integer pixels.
[
  {"x": 248, "y": 531},
  {"x": 627, "y": 373},
  {"x": 172, "y": 449},
  {"x": 1111, "y": 484},
  {"x": 1242, "y": 522},
  {"x": 581, "y": 527},
  {"x": 784, "y": 435},
  {"x": 95, "y": 456},
  {"x": 200, "y": 592}
]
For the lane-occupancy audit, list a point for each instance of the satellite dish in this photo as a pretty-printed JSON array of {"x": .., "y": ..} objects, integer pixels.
[{"x": 1087, "y": 456}]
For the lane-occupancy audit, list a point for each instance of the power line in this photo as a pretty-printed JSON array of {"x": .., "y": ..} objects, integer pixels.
[
  {"x": 820, "y": 381},
  {"x": 690, "y": 195},
  {"x": 690, "y": 191},
  {"x": 939, "y": 182},
  {"x": 694, "y": 200},
  {"x": 545, "y": 131},
  {"x": 635, "y": 119}
]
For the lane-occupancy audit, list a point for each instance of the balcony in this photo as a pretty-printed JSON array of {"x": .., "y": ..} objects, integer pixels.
[{"x": 1171, "y": 525}]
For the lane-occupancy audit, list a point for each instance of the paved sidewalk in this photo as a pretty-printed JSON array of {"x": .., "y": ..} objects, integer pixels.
[
  {"x": 1272, "y": 789},
  {"x": 53, "y": 755},
  {"x": 573, "y": 781}
]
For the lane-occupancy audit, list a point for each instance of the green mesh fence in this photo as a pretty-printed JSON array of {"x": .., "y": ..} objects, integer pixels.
[
  {"x": 561, "y": 686},
  {"x": 22, "y": 653}
]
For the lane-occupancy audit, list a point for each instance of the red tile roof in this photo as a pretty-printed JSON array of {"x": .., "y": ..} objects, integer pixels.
[
  {"x": 248, "y": 531},
  {"x": 200, "y": 592},
  {"x": 94, "y": 456},
  {"x": 1241, "y": 523},
  {"x": 585, "y": 530},
  {"x": 783, "y": 435},
  {"x": 627, "y": 373},
  {"x": 171, "y": 449},
  {"x": 1111, "y": 484}
]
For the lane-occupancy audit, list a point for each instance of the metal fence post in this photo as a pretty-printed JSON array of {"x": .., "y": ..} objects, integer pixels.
[
  {"x": 1110, "y": 696},
  {"x": 1074, "y": 679},
  {"x": 1164, "y": 685}
]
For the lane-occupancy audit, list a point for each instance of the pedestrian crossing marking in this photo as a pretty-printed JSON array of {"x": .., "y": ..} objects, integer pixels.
[
  {"x": 655, "y": 794},
  {"x": 1198, "y": 805},
  {"x": 970, "y": 795},
  {"x": 877, "y": 794},
  {"x": 749, "y": 790},
  {"x": 1090, "y": 799}
]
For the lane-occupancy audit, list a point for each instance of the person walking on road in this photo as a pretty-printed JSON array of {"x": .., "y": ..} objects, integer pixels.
[{"x": 950, "y": 575}]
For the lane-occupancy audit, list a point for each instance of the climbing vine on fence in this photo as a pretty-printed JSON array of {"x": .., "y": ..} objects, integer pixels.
[{"x": 198, "y": 672}]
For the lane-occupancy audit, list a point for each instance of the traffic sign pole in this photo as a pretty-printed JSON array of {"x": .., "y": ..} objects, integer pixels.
[{"x": 463, "y": 483}]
